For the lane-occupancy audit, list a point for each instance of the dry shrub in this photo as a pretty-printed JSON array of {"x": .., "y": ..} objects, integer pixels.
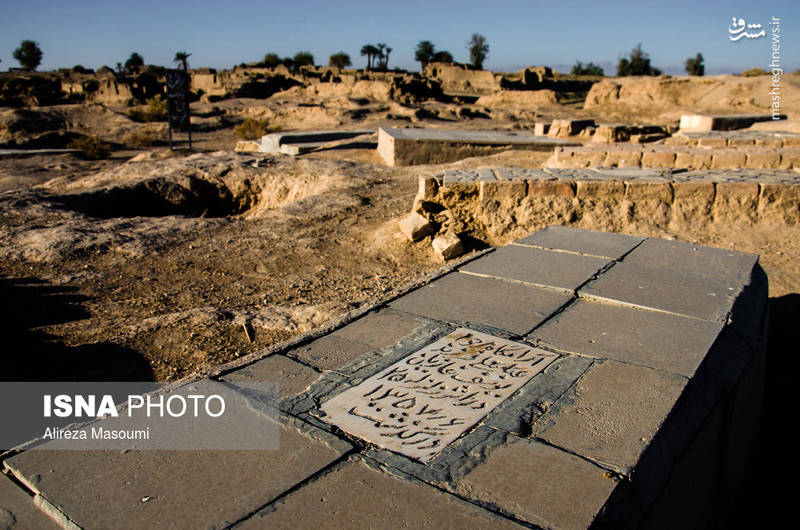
[
  {"x": 155, "y": 110},
  {"x": 142, "y": 139},
  {"x": 253, "y": 129},
  {"x": 92, "y": 147},
  {"x": 754, "y": 72}
]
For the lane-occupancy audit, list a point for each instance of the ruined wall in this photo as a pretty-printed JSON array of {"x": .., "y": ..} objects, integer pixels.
[{"x": 456, "y": 78}]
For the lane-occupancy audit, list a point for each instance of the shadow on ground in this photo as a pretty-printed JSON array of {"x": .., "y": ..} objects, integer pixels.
[
  {"x": 29, "y": 354},
  {"x": 770, "y": 495}
]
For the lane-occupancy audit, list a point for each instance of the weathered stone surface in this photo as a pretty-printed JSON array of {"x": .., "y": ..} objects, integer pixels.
[
  {"x": 693, "y": 160},
  {"x": 415, "y": 227},
  {"x": 708, "y": 262},
  {"x": 540, "y": 267},
  {"x": 713, "y": 142},
  {"x": 381, "y": 328},
  {"x": 658, "y": 159},
  {"x": 292, "y": 377},
  {"x": 613, "y": 414},
  {"x": 601, "y": 190},
  {"x": 539, "y": 188},
  {"x": 448, "y": 246},
  {"x": 465, "y": 298},
  {"x": 648, "y": 191},
  {"x": 673, "y": 343},
  {"x": 357, "y": 496},
  {"x": 287, "y": 142},
  {"x": 763, "y": 159},
  {"x": 623, "y": 159},
  {"x": 589, "y": 242},
  {"x": 540, "y": 485},
  {"x": 702, "y": 123},
  {"x": 728, "y": 159},
  {"x": 779, "y": 203},
  {"x": 329, "y": 352},
  {"x": 17, "y": 509},
  {"x": 188, "y": 489},
  {"x": 247, "y": 146},
  {"x": 672, "y": 291},
  {"x": 423, "y": 402},
  {"x": 541, "y": 128},
  {"x": 428, "y": 187}
]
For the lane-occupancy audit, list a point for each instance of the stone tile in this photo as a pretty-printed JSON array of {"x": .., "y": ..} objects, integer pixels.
[
  {"x": 357, "y": 496},
  {"x": 673, "y": 343},
  {"x": 540, "y": 485},
  {"x": 589, "y": 242},
  {"x": 329, "y": 352},
  {"x": 17, "y": 509},
  {"x": 381, "y": 328},
  {"x": 420, "y": 404},
  {"x": 292, "y": 377},
  {"x": 545, "y": 268},
  {"x": 613, "y": 413},
  {"x": 707, "y": 262},
  {"x": 466, "y": 298},
  {"x": 675, "y": 292},
  {"x": 184, "y": 489}
]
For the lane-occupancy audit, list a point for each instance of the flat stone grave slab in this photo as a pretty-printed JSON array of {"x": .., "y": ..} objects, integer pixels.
[
  {"x": 293, "y": 143},
  {"x": 702, "y": 123},
  {"x": 420, "y": 404},
  {"x": 407, "y": 147}
]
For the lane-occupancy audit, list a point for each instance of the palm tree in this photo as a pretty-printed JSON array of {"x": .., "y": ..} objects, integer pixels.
[
  {"x": 424, "y": 53},
  {"x": 182, "y": 58},
  {"x": 380, "y": 46},
  {"x": 370, "y": 51},
  {"x": 386, "y": 62}
]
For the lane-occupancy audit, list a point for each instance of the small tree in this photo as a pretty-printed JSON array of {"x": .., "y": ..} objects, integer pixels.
[
  {"x": 478, "y": 50},
  {"x": 637, "y": 64},
  {"x": 695, "y": 66},
  {"x": 587, "y": 69},
  {"x": 339, "y": 60},
  {"x": 424, "y": 53},
  {"x": 134, "y": 61},
  {"x": 370, "y": 52},
  {"x": 303, "y": 59},
  {"x": 182, "y": 59},
  {"x": 271, "y": 60},
  {"x": 29, "y": 55}
]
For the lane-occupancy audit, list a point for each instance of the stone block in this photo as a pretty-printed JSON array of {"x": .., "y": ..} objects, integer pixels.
[
  {"x": 611, "y": 190},
  {"x": 712, "y": 263},
  {"x": 544, "y": 268},
  {"x": 354, "y": 495},
  {"x": 741, "y": 141},
  {"x": 381, "y": 328},
  {"x": 693, "y": 160},
  {"x": 466, "y": 298},
  {"x": 588, "y": 242},
  {"x": 658, "y": 159},
  {"x": 544, "y": 188},
  {"x": 713, "y": 142},
  {"x": 175, "y": 489},
  {"x": 763, "y": 159},
  {"x": 648, "y": 191},
  {"x": 623, "y": 159},
  {"x": 728, "y": 159},
  {"x": 769, "y": 142},
  {"x": 428, "y": 187},
  {"x": 540, "y": 485},
  {"x": 588, "y": 158},
  {"x": 328, "y": 352},
  {"x": 507, "y": 192},
  {"x": 447, "y": 246},
  {"x": 247, "y": 146},
  {"x": 671, "y": 291},
  {"x": 541, "y": 128},
  {"x": 613, "y": 413},
  {"x": 668, "y": 342},
  {"x": 415, "y": 227},
  {"x": 292, "y": 377},
  {"x": 18, "y": 509},
  {"x": 790, "y": 159},
  {"x": 790, "y": 141}
]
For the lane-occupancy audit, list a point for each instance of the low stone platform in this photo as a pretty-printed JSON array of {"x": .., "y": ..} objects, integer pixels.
[
  {"x": 723, "y": 122},
  {"x": 573, "y": 378},
  {"x": 408, "y": 147},
  {"x": 706, "y": 153},
  {"x": 295, "y": 143}
]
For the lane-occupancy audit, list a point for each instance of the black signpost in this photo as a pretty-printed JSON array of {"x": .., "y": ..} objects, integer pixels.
[{"x": 178, "y": 103}]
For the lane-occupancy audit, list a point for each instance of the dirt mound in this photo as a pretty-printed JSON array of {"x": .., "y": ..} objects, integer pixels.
[{"x": 669, "y": 97}]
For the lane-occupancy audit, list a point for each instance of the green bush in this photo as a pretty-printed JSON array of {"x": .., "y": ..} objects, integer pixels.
[
  {"x": 155, "y": 110},
  {"x": 92, "y": 147},
  {"x": 253, "y": 129},
  {"x": 754, "y": 72},
  {"x": 142, "y": 139}
]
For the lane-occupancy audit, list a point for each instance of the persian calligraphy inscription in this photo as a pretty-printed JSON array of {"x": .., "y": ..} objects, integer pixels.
[{"x": 423, "y": 402}]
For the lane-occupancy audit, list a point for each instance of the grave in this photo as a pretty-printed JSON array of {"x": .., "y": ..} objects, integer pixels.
[
  {"x": 571, "y": 379},
  {"x": 295, "y": 143},
  {"x": 727, "y": 122},
  {"x": 408, "y": 147}
]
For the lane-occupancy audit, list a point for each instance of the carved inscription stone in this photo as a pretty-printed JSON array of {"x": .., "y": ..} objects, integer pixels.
[{"x": 421, "y": 403}]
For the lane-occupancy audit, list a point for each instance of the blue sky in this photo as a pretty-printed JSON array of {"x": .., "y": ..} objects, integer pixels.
[{"x": 221, "y": 34}]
